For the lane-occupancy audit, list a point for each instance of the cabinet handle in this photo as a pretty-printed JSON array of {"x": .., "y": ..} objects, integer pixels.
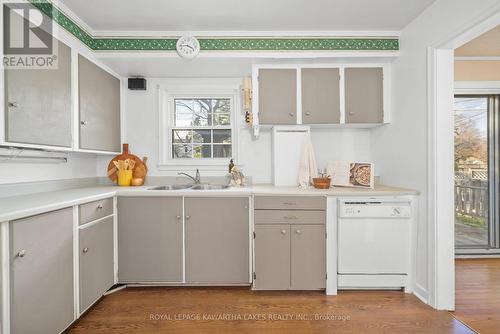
[
  {"x": 21, "y": 253},
  {"x": 178, "y": 217},
  {"x": 85, "y": 250},
  {"x": 290, "y": 217},
  {"x": 298, "y": 231},
  {"x": 291, "y": 114},
  {"x": 83, "y": 122},
  {"x": 13, "y": 105},
  {"x": 308, "y": 113},
  {"x": 99, "y": 207},
  {"x": 283, "y": 231},
  {"x": 289, "y": 203},
  {"x": 188, "y": 217},
  {"x": 351, "y": 113}
]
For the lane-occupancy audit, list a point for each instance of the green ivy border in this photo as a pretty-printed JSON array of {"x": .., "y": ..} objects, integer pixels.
[{"x": 216, "y": 44}]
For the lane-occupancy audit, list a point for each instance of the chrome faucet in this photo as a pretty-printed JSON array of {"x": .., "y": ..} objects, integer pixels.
[{"x": 196, "y": 179}]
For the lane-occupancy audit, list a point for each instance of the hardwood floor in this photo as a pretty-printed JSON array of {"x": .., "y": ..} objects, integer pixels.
[
  {"x": 477, "y": 301},
  {"x": 195, "y": 310}
]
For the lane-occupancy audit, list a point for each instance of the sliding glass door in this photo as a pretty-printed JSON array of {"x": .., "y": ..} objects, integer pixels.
[{"x": 476, "y": 173}]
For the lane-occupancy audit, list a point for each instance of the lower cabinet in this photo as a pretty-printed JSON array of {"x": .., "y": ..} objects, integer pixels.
[
  {"x": 152, "y": 243},
  {"x": 290, "y": 257},
  {"x": 150, "y": 239},
  {"x": 41, "y": 269},
  {"x": 96, "y": 261},
  {"x": 217, "y": 240},
  {"x": 290, "y": 243}
]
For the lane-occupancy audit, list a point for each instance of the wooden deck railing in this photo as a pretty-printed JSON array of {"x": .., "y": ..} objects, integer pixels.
[{"x": 471, "y": 201}]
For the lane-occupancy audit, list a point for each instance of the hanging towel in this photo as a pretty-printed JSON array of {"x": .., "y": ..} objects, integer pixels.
[{"x": 307, "y": 163}]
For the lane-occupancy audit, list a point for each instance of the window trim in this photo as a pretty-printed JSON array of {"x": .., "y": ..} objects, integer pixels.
[{"x": 166, "y": 123}]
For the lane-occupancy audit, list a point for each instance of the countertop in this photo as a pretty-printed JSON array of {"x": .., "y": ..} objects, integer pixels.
[{"x": 16, "y": 207}]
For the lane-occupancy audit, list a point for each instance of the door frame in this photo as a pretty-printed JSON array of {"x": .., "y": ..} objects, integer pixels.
[{"x": 440, "y": 155}]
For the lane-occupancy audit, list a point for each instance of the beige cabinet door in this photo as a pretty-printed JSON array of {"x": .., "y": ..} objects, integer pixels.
[
  {"x": 41, "y": 273},
  {"x": 277, "y": 96},
  {"x": 320, "y": 95},
  {"x": 96, "y": 261},
  {"x": 149, "y": 239},
  {"x": 217, "y": 240},
  {"x": 272, "y": 257},
  {"x": 99, "y": 101},
  {"x": 364, "y": 95},
  {"x": 308, "y": 258},
  {"x": 38, "y": 103}
]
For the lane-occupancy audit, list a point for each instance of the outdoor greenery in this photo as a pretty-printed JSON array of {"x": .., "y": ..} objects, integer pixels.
[{"x": 471, "y": 221}]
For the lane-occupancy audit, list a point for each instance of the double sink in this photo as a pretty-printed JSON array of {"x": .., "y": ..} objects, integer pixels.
[{"x": 191, "y": 187}]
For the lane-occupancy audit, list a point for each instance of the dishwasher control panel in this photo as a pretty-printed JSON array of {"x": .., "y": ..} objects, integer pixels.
[{"x": 374, "y": 209}]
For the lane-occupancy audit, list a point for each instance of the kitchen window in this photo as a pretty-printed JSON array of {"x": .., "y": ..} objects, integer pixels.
[{"x": 197, "y": 128}]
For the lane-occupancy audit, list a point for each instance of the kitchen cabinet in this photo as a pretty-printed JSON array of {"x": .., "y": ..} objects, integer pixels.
[
  {"x": 277, "y": 96},
  {"x": 96, "y": 259},
  {"x": 217, "y": 240},
  {"x": 320, "y": 95},
  {"x": 150, "y": 239},
  {"x": 99, "y": 108},
  {"x": 38, "y": 103},
  {"x": 290, "y": 244},
  {"x": 364, "y": 95},
  {"x": 41, "y": 269}
]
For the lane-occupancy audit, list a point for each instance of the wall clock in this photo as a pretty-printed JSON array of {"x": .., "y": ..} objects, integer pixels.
[{"x": 188, "y": 47}]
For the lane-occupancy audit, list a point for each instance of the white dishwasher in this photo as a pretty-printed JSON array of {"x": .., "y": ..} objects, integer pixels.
[{"x": 374, "y": 243}]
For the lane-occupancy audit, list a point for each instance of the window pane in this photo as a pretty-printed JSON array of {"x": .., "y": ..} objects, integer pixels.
[
  {"x": 222, "y": 119},
  {"x": 183, "y": 112},
  {"x": 182, "y": 151},
  {"x": 222, "y": 151},
  {"x": 202, "y": 151},
  {"x": 222, "y": 106},
  {"x": 202, "y": 112},
  {"x": 471, "y": 172},
  {"x": 202, "y": 136},
  {"x": 181, "y": 136},
  {"x": 222, "y": 136}
]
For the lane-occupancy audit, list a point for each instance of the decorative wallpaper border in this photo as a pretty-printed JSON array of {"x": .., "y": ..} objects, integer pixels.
[{"x": 216, "y": 44}]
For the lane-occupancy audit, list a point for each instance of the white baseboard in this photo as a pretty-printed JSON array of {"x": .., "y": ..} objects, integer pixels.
[{"x": 421, "y": 293}]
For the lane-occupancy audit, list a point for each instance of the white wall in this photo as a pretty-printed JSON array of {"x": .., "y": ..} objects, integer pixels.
[
  {"x": 141, "y": 132},
  {"x": 400, "y": 149},
  {"x": 78, "y": 166}
]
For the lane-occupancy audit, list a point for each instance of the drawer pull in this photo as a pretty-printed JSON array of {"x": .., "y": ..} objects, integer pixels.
[
  {"x": 298, "y": 231},
  {"x": 283, "y": 231},
  {"x": 290, "y": 217},
  {"x": 99, "y": 207},
  {"x": 178, "y": 217},
  {"x": 85, "y": 250},
  {"x": 21, "y": 253},
  {"x": 187, "y": 217},
  {"x": 289, "y": 203}
]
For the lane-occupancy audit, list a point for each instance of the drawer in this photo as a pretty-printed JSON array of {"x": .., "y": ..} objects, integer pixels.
[
  {"x": 289, "y": 217},
  {"x": 95, "y": 210},
  {"x": 290, "y": 202}
]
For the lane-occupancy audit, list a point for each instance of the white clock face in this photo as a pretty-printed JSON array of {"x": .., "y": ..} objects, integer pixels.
[{"x": 188, "y": 47}]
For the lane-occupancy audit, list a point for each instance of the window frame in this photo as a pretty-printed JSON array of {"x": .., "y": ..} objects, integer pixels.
[{"x": 167, "y": 124}]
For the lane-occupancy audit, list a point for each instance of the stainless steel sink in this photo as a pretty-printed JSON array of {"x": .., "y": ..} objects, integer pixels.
[
  {"x": 209, "y": 187},
  {"x": 172, "y": 187}
]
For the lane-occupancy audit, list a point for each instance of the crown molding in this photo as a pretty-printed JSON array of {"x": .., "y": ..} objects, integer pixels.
[
  {"x": 477, "y": 58},
  {"x": 347, "y": 41}
]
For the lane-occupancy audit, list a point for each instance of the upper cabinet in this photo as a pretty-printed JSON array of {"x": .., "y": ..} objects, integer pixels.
[
  {"x": 321, "y": 94},
  {"x": 364, "y": 95},
  {"x": 73, "y": 107},
  {"x": 38, "y": 103},
  {"x": 278, "y": 96},
  {"x": 99, "y": 108}
]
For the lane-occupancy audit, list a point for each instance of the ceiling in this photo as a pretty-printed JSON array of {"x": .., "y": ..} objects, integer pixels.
[
  {"x": 250, "y": 15},
  {"x": 486, "y": 45}
]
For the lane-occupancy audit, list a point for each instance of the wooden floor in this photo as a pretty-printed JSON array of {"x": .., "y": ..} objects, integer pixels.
[
  {"x": 240, "y": 310},
  {"x": 477, "y": 301}
]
